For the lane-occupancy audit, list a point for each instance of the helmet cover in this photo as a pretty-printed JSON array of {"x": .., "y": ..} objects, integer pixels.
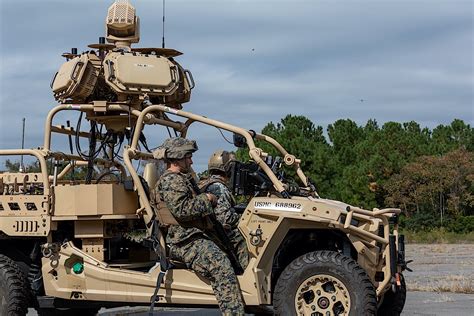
[{"x": 175, "y": 148}]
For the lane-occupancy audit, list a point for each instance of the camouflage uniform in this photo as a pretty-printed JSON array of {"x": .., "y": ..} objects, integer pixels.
[
  {"x": 227, "y": 215},
  {"x": 208, "y": 260},
  {"x": 186, "y": 206},
  {"x": 188, "y": 243}
]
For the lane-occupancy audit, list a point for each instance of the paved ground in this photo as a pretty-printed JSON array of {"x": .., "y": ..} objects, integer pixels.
[
  {"x": 439, "y": 270},
  {"x": 418, "y": 303},
  {"x": 441, "y": 303}
]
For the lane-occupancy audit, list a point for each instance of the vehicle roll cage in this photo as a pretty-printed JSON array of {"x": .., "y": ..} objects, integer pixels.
[
  {"x": 150, "y": 115},
  {"x": 157, "y": 115}
]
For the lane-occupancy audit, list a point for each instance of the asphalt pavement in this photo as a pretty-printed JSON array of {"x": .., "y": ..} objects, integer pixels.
[{"x": 418, "y": 303}]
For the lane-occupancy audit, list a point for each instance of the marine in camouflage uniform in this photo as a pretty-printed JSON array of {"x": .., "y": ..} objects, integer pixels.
[
  {"x": 187, "y": 242},
  {"x": 216, "y": 184}
]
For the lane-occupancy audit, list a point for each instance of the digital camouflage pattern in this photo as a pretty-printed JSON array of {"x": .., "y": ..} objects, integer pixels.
[
  {"x": 190, "y": 245},
  {"x": 175, "y": 148},
  {"x": 240, "y": 246},
  {"x": 227, "y": 215},
  {"x": 224, "y": 210},
  {"x": 186, "y": 205},
  {"x": 209, "y": 261}
]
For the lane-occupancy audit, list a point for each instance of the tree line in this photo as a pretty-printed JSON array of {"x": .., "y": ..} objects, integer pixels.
[{"x": 429, "y": 174}]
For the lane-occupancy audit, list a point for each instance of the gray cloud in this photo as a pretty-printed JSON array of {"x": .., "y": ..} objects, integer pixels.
[{"x": 256, "y": 61}]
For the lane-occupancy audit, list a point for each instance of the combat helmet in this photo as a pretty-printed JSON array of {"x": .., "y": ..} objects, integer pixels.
[
  {"x": 220, "y": 161},
  {"x": 175, "y": 148}
]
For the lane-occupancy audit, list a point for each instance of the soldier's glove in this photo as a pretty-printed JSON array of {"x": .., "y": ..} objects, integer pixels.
[
  {"x": 207, "y": 214},
  {"x": 292, "y": 188}
]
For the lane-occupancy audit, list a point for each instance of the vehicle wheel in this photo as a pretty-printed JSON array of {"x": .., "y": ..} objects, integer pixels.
[
  {"x": 324, "y": 283},
  {"x": 13, "y": 288},
  {"x": 393, "y": 303}
]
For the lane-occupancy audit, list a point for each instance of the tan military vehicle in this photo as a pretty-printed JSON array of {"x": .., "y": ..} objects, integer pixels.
[{"x": 81, "y": 233}]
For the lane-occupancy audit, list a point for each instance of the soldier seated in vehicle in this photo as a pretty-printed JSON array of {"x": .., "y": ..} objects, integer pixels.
[
  {"x": 187, "y": 241},
  {"x": 217, "y": 184}
]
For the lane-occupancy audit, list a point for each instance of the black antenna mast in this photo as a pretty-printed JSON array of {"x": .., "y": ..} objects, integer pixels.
[
  {"x": 163, "y": 38},
  {"x": 22, "y": 167}
]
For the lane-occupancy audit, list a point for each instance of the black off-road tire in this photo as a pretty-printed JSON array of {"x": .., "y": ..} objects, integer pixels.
[
  {"x": 393, "y": 303},
  {"x": 338, "y": 279},
  {"x": 14, "y": 295}
]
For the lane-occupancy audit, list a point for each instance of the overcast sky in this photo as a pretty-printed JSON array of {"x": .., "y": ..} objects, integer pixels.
[{"x": 257, "y": 61}]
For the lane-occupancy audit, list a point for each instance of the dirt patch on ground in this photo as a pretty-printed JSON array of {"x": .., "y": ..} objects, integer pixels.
[
  {"x": 438, "y": 304},
  {"x": 441, "y": 268}
]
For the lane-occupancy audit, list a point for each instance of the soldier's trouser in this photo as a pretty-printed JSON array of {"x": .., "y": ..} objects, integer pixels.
[
  {"x": 240, "y": 246},
  {"x": 208, "y": 260}
]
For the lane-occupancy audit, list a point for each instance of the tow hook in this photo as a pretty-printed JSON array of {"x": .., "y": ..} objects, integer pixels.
[{"x": 49, "y": 249}]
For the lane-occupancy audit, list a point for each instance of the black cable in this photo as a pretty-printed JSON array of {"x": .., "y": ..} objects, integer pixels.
[
  {"x": 104, "y": 141},
  {"x": 116, "y": 154},
  {"x": 78, "y": 142},
  {"x": 168, "y": 129},
  {"x": 77, "y": 138},
  {"x": 114, "y": 172},
  {"x": 104, "y": 152},
  {"x": 73, "y": 173},
  {"x": 139, "y": 165},
  {"x": 92, "y": 145},
  {"x": 94, "y": 154},
  {"x": 224, "y": 136},
  {"x": 119, "y": 145},
  {"x": 142, "y": 139}
]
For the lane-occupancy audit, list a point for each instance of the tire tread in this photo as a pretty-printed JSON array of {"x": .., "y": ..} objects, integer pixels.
[
  {"x": 16, "y": 285},
  {"x": 393, "y": 303},
  {"x": 332, "y": 258}
]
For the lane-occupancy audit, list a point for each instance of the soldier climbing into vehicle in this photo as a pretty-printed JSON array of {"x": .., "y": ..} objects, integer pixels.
[
  {"x": 217, "y": 183},
  {"x": 193, "y": 241}
]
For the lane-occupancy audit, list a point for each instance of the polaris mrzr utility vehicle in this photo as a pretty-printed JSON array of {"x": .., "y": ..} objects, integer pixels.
[{"x": 80, "y": 233}]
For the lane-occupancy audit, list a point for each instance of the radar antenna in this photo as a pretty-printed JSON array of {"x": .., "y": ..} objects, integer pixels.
[{"x": 122, "y": 24}]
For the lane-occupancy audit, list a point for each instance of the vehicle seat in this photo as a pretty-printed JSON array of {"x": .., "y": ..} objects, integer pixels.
[{"x": 150, "y": 174}]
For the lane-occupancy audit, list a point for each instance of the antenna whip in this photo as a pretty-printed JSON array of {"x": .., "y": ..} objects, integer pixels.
[
  {"x": 163, "y": 37},
  {"x": 22, "y": 167}
]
